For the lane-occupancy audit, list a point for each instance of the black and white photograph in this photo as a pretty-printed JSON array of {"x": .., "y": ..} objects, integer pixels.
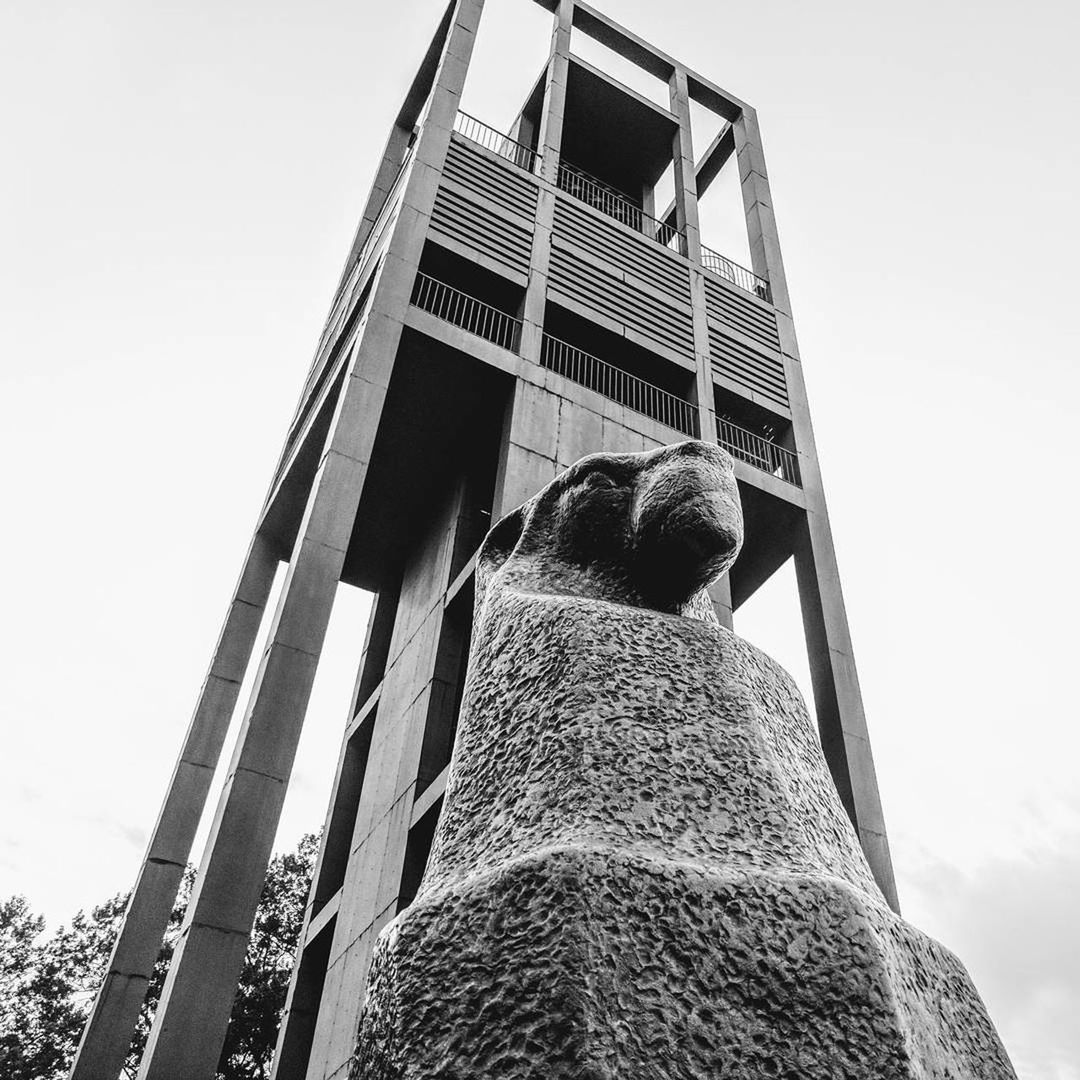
[{"x": 540, "y": 540}]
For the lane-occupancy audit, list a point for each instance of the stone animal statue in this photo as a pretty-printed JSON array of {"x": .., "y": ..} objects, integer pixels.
[{"x": 643, "y": 870}]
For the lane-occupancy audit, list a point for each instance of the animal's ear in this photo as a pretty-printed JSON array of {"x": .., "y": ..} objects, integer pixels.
[
  {"x": 498, "y": 544},
  {"x": 496, "y": 549}
]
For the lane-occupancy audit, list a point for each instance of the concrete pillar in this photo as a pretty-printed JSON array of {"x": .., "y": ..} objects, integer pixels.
[
  {"x": 193, "y": 1015},
  {"x": 549, "y": 146},
  {"x": 720, "y": 594},
  {"x": 111, "y": 1024},
  {"x": 301, "y": 1009},
  {"x": 551, "y": 120},
  {"x": 528, "y": 456},
  {"x": 686, "y": 215},
  {"x": 389, "y": 166},
  {"x": 765, "y": 258},
  {"x": 837, "y": 697},
  {"x": 370, "y": 893},
  {"x": 686, "y": 208},
  {"x": 368, "y": 878},
  {"x": 297, "y": 1028},
  {"x": 648, "y": 200}
]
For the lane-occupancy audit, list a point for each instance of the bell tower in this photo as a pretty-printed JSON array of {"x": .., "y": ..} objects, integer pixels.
[{"x": 512, "y": 300}]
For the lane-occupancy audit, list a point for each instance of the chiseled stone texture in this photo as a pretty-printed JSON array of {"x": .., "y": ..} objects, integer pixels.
[{"x": 643, "y": 871}]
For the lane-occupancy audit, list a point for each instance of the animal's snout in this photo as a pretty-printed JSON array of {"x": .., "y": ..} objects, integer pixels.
[{"x": 687, "y": 522}]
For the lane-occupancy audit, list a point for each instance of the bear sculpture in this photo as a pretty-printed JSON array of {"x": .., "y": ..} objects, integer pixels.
[{"x": 642, "y": 870}]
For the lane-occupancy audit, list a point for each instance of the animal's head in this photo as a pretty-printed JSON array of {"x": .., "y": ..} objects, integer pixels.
[{"x": 651, "y": 530}]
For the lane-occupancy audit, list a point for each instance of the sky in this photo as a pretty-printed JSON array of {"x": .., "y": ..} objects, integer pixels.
[{"x": 178, "y": 189}]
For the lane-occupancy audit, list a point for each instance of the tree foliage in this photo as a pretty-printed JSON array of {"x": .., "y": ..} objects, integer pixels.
[{"x": 47, "y": 984}]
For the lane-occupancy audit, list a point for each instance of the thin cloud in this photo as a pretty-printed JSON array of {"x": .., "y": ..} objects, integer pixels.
[{"x": 1012, "y": 921}]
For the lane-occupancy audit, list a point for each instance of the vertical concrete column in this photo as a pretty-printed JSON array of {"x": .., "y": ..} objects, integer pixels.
[
  {"x": 845, "y": 740},
  {"x": 371, "y": 891},
  {"x": 111, "y": 1023},
  {"x": 301, "y": 1008},
  {"x": 382, "y": 818},
  {"x": 389, "y": 166},
  {"x": 528, "y": 455},
  {"x": 192, "y": 1018},
  {"x": 397, "y": 144},
  {"x": 193, "y": 1015},
  {"x": 720, "y": 594},
  {"x": 686, "y": 208},
  {"x": 686, "y": 214},
  {"x": 648, "y": 200},
  {"x": 551, "y": 120},
  {"x": 297, "y": 1028},
  {"x": 837, "y": 696},
  {"x": 765, "y": 257},
  {"x": 549, "y": 144}
]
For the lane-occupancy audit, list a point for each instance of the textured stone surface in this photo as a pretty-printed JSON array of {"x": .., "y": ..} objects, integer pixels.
[{"x": 642, "y": 869}]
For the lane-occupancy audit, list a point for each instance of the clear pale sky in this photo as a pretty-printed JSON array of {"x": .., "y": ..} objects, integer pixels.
[{"x": 178, "y": 190}]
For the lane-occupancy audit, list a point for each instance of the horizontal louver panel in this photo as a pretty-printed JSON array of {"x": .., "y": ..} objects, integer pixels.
[
  {"x": 502, "y": 239},
  {"x": 504, "y": 185},
  {"x": 757, "y": 371},
  {"x": 739, "y": 311},
  {"x": 637, "y": 256},
  {"x": 577, "y": 280}
]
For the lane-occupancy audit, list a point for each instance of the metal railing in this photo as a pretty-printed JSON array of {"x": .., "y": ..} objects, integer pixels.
[
  {"x": 738, "y": 275},
  {"x": 439, "y": 299},
  {"x": 758, "y": 451},
  {"x": 614, "y": 383},
  {"x": 490, "y": 139},
  {"x": 616, "y": 204}
]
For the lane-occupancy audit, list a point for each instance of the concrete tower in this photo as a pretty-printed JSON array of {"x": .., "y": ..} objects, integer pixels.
[{"x": 511, "y": 301}]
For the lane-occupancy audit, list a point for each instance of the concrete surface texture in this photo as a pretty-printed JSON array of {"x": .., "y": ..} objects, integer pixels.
[{"x": 643, "y": 869}]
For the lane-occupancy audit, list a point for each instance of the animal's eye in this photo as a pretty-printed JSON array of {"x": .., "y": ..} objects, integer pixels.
[{"x": 600, "y": 479}]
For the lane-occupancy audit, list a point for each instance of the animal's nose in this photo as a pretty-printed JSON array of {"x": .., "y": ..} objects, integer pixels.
[
  {"x": 705, "y": 532},
  {"x": 687, "y": 522}
]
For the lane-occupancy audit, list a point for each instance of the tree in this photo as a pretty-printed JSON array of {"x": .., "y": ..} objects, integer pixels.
[
  {"x": 48, "y": 984},
  {"x": 20, "y": 993}
]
